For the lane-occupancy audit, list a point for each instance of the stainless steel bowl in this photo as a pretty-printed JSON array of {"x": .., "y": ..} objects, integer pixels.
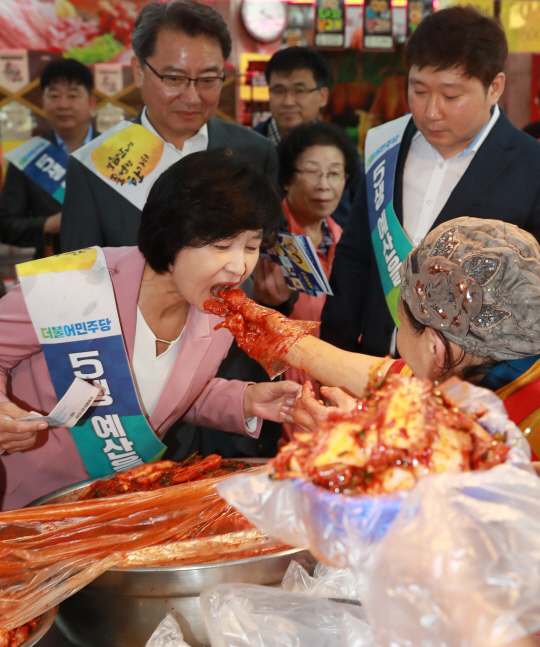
[
  {"x": 41, "y": 628},
  {"x": 121, "y": 608}
]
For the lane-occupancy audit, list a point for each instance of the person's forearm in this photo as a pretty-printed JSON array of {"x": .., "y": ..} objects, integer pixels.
[{"x": 332, "y": 366}]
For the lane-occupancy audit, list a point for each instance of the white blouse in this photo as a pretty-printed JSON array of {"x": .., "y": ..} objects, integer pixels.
[{"x": 151, "y": 370}]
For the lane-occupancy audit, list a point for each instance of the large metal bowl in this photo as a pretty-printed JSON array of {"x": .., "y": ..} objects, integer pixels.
[
  {"x": 41, "y": 628},
  {"x": 121, "y": 608}
]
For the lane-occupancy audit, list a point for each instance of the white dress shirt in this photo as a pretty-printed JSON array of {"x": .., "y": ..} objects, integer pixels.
[
  {"x": 428, "y": 180},
  {"x": 199, "y": 141}
]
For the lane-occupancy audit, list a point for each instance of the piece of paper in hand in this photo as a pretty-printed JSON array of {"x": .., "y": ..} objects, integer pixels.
[{"x": 76, "y": 400}]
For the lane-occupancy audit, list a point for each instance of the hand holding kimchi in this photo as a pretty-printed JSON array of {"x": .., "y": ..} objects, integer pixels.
[
  {"x": 403, "y": 429},
  {"x": 263, "y": 333}
]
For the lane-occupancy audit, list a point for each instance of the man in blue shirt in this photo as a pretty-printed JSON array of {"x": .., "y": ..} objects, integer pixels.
[{"x": 29, "y": 216}]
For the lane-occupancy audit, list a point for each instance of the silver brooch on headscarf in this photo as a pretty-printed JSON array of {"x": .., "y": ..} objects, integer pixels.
[{"x": 449, "y": 295}]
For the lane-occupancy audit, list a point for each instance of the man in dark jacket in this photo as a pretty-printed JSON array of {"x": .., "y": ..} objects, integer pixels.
[
  {"x": 298, "y": 80},
  {"x": 179, "y": 65},
  {"x": 458, "y": 156},
  {"x": 28, "y": 214}
]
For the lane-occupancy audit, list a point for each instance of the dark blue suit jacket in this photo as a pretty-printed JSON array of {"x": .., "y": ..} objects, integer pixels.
[{"x": 501, "y": 183}]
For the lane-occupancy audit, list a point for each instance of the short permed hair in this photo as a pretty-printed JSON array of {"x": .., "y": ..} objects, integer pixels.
[
  {"x": 291, "y": 59},
  {"x": 459, "y": 37},
  {"x": 203, "y": 198},
  {"x": 188, "y": 16},
  {"x": 69, "y": 70},
  {"x": 316, "y": 133}
]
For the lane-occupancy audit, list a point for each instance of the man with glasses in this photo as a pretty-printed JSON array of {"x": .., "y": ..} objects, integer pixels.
[
  {"x": 180, "y": 52},
  {"x": 297, "y": 78}
]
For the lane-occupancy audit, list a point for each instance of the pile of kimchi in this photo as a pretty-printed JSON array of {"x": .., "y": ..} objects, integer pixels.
[{"x": 403, "y": 429}]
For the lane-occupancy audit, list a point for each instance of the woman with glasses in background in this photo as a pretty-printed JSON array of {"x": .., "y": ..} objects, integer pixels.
[{"x": 316, "y": 162}]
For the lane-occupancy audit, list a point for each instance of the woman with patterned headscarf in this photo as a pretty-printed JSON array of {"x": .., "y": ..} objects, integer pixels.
[{"x": 470, "y": 307}]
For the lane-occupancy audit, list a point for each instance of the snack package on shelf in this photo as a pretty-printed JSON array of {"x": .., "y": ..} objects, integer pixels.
[{"x": 51, "y": 551}]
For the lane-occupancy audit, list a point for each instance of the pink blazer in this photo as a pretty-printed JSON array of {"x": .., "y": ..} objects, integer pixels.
[{"x": 191, "y": 393}]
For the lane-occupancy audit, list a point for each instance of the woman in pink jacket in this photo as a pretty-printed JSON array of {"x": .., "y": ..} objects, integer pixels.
[{"x": 201, "y": 230}]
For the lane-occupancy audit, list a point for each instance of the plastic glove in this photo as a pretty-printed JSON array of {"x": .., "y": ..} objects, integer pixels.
[{"x": 263, "y": 333}]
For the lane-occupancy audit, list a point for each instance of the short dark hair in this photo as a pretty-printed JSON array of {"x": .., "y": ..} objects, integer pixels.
[
  {"x": 291, "y": 59},
  {"x": 188, "y": 16},
  {"x": 203, "y": 198},
  {"x": 316, "y": 133},
  {"x": 67, "y": 69},
  {"x": 459, "y": 37}
]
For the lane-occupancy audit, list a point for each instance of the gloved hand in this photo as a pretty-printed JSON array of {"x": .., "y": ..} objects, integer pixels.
[{"x": 263, "y": 333}]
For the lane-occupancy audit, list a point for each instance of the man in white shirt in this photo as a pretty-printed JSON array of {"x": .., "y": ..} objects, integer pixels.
[
  {"x": 459, "y": 156},
  {"x": 179, "y": 65}
]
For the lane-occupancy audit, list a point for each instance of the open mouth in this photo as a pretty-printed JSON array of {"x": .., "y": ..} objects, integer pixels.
[{"x": 223, "y": 287}]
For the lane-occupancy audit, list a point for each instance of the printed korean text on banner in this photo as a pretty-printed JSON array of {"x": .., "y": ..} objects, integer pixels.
[
  {"x": 42, "y": 162},
  {"x": 390, "y": 242},
  {"x": 129, "y": 158},
  {"x": 60, "y": 292},
  {"x": 329, "y": 23}
]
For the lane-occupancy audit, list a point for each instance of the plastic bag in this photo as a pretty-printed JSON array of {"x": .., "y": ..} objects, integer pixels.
[
  {"x": 248, "y": 615},
  {"x": 453, "y": 562},
  {"x": 460, "y": 565},
  {"x": 167, "y": 634},
  {"x": 339, "y": 584},
  {"x": 305, "y": 515},
  {"x": 49, "y": 552}
]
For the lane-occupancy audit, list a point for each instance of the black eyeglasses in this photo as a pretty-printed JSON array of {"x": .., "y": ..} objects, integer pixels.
[
  {"x": 175, "y": 83},
  {"x": 280, "y": 91}
]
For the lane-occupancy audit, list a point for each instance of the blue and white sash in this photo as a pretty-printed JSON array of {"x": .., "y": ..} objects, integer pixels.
[
  {"x": 390, "y": 242},
  {"x": 42, "y": 162},
  {"x": 71, "y": 302}
]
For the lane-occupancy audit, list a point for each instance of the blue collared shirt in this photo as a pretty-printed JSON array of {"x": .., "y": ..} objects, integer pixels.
[{"x": 62, "y": 144}]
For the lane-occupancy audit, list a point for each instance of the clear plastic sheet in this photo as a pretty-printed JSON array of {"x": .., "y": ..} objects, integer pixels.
[
  {"x": 49, "y": 552},
  {"x": 305, "y": 515},
  {"x": 249, "y": 615},
  {"x": 460, "y": 566},
  {"x": 167, "y": 634},
  {"x": 327, "y": 582},
  {"x": 233, "y": 545}
]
